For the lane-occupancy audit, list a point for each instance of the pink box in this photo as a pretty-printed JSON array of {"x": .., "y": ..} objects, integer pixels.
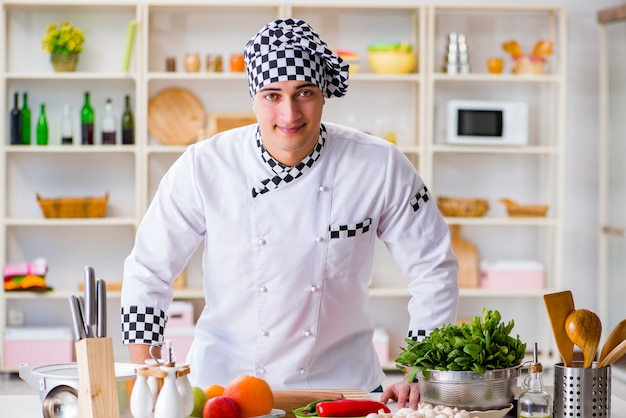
[
  {"x": 181, "y": 338},
  {"x": 37, "y": 346},
  {"x": 180, "y": 314},
  {"x": 511, "y": 275},
  {"x": 381, "y": 345}
]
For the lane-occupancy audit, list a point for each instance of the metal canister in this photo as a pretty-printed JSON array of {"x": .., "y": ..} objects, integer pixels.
[{"x": 582, "y": 392}]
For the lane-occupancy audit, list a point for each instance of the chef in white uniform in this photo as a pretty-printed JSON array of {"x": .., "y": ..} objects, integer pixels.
[{"x": 288, "y": 211}]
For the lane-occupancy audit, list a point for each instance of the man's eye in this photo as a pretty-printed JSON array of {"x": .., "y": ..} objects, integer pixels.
[{"x": 306, "y": 93}]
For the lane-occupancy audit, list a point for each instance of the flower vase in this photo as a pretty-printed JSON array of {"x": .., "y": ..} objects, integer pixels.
[{"x": 63, "y": 62}]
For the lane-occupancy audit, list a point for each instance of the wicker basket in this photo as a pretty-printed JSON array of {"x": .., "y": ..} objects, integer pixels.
[
  {"x": 74, "y": 207},
  {"x": 515, "y": 210},
  {"x": 465, "y": 207}
]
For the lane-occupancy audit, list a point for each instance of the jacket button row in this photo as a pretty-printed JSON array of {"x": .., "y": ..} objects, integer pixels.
[
  {"x": 302, "y": 371},
  {"x": 323, "y": 188},
  {"x": 262, "y": 241},
  {"x": 308, "y": 333},
  {"x": 314, "y": 289},
  {"x": 264, "y": 333}
]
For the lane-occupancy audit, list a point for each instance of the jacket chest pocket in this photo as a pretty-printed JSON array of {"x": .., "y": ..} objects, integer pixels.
[{"x": 350, "y": 246}]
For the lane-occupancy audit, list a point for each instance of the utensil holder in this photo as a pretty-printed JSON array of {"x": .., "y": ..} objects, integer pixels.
[
  {"x": 97, "y": 385},
  {"x": 582, "y": 392}
]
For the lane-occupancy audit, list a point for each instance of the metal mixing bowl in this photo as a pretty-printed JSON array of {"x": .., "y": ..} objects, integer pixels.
[{"x": 469, "y": 390}]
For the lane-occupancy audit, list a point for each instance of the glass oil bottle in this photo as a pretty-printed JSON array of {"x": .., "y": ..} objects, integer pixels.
[{"x": 534, "y": 401}]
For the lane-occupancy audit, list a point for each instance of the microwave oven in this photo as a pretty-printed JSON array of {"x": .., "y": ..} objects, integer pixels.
[{"x": 486, "y": 122}]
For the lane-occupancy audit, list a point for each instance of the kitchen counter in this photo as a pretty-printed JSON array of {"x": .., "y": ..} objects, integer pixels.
[{"x": 28, "y": 406}]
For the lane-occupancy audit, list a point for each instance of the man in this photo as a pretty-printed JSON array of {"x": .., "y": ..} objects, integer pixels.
[{"x": 288, "y": 210}]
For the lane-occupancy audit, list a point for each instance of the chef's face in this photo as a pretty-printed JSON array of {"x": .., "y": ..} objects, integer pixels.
[{"x": 289, "y": 114}]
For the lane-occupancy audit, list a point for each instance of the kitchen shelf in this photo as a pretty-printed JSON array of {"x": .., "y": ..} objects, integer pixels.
[{"x": 170, "y": 29}]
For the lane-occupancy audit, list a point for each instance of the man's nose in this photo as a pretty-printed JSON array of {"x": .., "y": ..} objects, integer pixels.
[{"x": 290, "y": 110}]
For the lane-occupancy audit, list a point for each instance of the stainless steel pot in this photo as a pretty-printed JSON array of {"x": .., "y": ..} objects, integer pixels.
[{"x": 58, "y": 387}]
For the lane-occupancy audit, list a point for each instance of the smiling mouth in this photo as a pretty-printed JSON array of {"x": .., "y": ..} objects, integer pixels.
[{"x": 290, "y": 129}]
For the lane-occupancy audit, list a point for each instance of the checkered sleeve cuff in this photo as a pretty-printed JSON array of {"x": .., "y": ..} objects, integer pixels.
[
  {"x": 418, "y": 335},
  {"x": 142, "y": 325}
]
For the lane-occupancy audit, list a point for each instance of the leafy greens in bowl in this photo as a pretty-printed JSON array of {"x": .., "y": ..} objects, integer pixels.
[{"x": 481, "y": 345}]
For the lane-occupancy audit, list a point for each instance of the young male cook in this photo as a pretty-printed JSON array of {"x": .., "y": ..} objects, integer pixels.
[{"x": 288, "y": 211}]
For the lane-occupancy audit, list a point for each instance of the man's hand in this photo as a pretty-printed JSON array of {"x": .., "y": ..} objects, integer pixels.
[{"x": 402, "y": 392}]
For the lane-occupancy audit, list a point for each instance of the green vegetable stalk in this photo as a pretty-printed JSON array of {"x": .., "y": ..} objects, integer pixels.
[{"x": 481, "y": 345}]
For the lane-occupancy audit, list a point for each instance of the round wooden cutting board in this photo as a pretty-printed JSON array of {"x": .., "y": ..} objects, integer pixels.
[{"x": 175, "y": 116}]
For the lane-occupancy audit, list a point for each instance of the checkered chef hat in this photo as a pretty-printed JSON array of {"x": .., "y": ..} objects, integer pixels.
[{"x": 289, "y": 49}]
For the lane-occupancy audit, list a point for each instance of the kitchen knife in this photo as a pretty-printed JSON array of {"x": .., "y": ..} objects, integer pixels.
[
  {"x": 90, "y": 299},
  {"x": 101, "y": 320},
  {"x": 81, "y": 305},
  {"x": 77, "y": 318}
]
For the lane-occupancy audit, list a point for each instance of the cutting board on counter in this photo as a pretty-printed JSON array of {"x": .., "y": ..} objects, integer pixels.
[
  {"x": 466, "y": 253},
  {"x": 288, "y": 400}
]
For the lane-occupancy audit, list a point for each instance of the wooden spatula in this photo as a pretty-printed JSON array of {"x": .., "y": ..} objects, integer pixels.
[{"x": 559, "y": 305}]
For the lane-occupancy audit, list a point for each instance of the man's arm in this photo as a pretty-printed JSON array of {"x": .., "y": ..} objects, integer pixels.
[{"x": 139, "y": 353}]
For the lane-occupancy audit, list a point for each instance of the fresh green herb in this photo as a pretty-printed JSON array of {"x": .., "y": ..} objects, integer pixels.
[{"x": 481, "y": 345}]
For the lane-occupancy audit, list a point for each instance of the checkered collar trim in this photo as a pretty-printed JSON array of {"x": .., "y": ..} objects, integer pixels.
[
  {"x": 285, "y": 174},
  {"x": 289, "y": 49}
]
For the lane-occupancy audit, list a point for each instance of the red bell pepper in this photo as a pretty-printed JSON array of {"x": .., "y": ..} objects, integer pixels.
[{"x": 349, "y": 408}]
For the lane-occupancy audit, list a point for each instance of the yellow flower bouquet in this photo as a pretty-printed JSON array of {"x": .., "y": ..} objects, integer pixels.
[
  {"x": 63, "y": 39},
  {"x": 64, "y": 42}
]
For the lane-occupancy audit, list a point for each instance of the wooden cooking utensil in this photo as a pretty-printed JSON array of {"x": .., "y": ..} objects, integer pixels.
[
  {"x": 559, "y": 305},
  {"x": 585, "y": 330},
  {"x": 617, "y": 335},
  {"x": 615, "y": 354}
]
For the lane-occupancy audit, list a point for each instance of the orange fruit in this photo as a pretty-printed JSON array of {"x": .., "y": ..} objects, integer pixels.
[
  {"x": 213, "y": 391},
  {"x": 253, "y": 395}
]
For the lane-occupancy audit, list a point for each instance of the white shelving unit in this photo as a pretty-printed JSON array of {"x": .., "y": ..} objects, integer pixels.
[
  {"x": 409, "y": 103},
  {"x": 531, "y": 174}
]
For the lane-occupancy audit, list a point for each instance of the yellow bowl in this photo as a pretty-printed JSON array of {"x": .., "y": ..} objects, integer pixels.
[{"x": 392, "y": 62}]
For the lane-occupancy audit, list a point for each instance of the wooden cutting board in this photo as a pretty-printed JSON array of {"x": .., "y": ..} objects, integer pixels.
[
  {"x": 288, "y": 400},
  {"x": 466, "y": 253},
  {"x": 175, "y": 116}
]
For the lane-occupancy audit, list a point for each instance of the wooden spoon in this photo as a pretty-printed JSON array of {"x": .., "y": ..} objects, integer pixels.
[
  {"x": 617, "y": 335},
  {"x": 585, "y": 330},
  {"x": 559, "y": 305},
  {"x": 615, "y": 354}
]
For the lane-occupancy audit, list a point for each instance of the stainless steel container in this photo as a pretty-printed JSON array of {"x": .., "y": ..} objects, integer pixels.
[
  {"x": 58, "y": 387},
  {"x": 582, "y": 392},
  {"x": 471, "y": 391}
]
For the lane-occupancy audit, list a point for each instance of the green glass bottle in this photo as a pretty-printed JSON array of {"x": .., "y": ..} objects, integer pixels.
[
  {"x": 128, "y": 123},
  {"x": 87, "y": 118},
  {"x": 25, "y": 115},
  {"x": 42, "y": 126}
]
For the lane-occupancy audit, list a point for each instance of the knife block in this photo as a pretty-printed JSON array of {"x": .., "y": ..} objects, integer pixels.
[{"x": 97, "y": 384}]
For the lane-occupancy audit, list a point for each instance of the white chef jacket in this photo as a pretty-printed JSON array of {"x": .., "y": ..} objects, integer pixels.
[{"x": 284, "y": 300}]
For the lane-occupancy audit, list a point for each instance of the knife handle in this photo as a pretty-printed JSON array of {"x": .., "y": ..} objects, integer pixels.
[
  {"x": 101, "y": 319},
  {"x": 90, "y": 296},
  {"x": 77, "y": 318}
]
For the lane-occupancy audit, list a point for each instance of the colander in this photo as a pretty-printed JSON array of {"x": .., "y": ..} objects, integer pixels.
[{"x": 469, "y": 390}]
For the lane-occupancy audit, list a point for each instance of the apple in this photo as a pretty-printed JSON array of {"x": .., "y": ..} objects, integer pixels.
[
  {"x": 221, "y": 407},
  {"x": 199, "y": 400}
]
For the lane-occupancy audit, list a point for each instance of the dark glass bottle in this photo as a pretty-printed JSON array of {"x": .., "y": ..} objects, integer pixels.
[
  {"x": 128, "y": 123},
  {"x": 25, "y": 120},
  {"x": 87, "y": 117},
  {"x": 108, "y": 125},
  {"x": 42, "y": 126},
  {"x": 67, "y": 126},
  {"x": 16, "y": 132}
]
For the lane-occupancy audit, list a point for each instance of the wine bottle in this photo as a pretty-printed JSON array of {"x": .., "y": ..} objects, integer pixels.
[
  {"x": 16, "y": 133},
  {"x": 87, "y": 117},
  {"x": 67, "y": 126},
  {"x": 108, "y": 124},
  {"x": 128, "y": 123},
  {"x": 42, "y": 126},
  {"x": 25, "y": 120}
]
